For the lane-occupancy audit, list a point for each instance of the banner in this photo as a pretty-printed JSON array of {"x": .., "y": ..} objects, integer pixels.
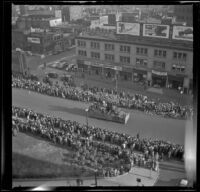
[
  {"x": 55, "y": 22},
  {"x": 182, "y": 33},
  {"x": 159, "y": 73},
  {"x": 186, "y": 82},
  {"x": 155, "y": 30},
  {"x": 33, "y": 40},
  {"x": 128, "y": 28}
]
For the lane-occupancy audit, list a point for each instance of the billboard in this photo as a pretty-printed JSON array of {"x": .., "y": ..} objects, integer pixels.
[
  {"x": 33, "y": 40},
  {"x": 156, "y": 30},
  {"x": 103, "y": 20},
  {"x": 182, "y": 33},
  {"x": 55, "y": 22},
  {"x": 128, "y": 28}
]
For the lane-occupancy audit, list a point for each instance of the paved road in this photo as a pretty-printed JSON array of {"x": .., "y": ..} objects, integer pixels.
[{"x": 149, "y": 126}]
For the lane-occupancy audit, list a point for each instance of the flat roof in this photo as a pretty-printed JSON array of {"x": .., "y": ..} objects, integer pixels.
[{"x": 146, "y": 41}]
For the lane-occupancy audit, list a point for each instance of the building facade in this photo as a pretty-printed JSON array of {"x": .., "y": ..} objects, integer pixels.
[
  {"x": 166, "y": 63},
  {"x": 184, "y": 13}
]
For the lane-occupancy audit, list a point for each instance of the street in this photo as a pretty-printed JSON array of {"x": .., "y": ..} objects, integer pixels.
[{"x": 148, "y": 126}]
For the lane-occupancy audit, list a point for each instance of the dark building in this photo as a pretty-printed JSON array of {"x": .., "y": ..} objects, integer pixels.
[
  {"x": 184, "y": 13},
  {"x": 65, "y": 14},
  {"x": 111, "y": 19},
  {"x": 19, "y": 62}
]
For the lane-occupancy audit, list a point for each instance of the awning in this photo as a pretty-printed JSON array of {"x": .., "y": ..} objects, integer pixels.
[
  {"x": 159, "y": 73},
  {"x": 139, "y": 71}
]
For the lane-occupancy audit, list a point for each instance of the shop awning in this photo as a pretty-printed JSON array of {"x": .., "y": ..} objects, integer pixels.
[{"x": 139, "y": 71}]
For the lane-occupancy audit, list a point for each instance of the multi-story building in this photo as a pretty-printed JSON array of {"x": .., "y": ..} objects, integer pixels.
[
  {"x": 184, "y": 13},
  {"x": 42, "y": 21},
  {"x": 166, "y": 62},
  {"x": 70, "y": 13}
]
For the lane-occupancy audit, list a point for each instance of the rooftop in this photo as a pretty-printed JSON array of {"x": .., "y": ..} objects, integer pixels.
[{"x": 129, "y": 39}]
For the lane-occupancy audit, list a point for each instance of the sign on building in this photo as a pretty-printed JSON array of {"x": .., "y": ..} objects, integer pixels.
[
  {"x": 55, "y": 22},
  {"x": 155, "y": 30},
  {"x": 182, "y": 33},
  {"x": 33, "y": 40},
  {"x": 103, "y": 20},
  {"x": 128, "y": 28},
  {"x": 58, "y": 14},
  {"x": 159, "y": 73}
]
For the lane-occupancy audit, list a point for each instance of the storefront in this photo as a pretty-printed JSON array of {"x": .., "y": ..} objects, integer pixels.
[
  {"x": 175, "y": 81},
  {"x": 139, "y": 75},
  {"x": 126, "y": 74},
  {"x": 159, "y": 78}
]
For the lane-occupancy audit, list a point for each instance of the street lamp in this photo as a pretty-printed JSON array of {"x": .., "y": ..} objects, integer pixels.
[
  {"x": 181, "y": 95},
  {"x": 86, "y": 110},
  {"x": 116, "y": 75}
]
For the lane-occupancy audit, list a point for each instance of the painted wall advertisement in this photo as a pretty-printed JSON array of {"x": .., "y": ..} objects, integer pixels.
[
  {"x": 128, "y": 28},
  {"x": 155, "y": 30},
  {"x": 33, "y": 40},
  {"x": 182, "y": 33},
  {"x": 55, "y": 22}
]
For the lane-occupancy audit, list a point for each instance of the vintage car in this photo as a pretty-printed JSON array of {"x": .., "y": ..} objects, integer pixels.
[{"x": 108, "y": 111}]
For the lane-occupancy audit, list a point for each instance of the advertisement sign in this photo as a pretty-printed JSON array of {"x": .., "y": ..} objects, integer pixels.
[
  {"x": 103, "y": 20},
  {"x": 182, "y": 33},
  {"x": 37, "y": 30},
  {"x": 33, "y": 40},
  {"x": 55, "y": 22},
  {"x": 159, "y": 73},
  {"x": 58, "y": 14},
  {"x": 155, "y": 30},
  {"x": 128, "y": 28},
  {"x": 186, "y": 82}
]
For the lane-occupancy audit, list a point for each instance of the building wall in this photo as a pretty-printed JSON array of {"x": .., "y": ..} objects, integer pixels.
[
  {"x": 169, "y": 61},
  {"x": 184, "y": 13}
]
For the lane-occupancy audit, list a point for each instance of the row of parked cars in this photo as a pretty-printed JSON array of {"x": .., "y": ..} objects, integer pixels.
[{"x": 64, "y": 65}]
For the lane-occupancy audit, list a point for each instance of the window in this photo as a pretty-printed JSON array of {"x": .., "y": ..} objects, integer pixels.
[
  {"x": 109, "y": 47},
  {"x": 141, "y": 62},
  {"x": 159, "y": 65},
  {"x": 81, "y": 43},
  {"x": 160, "y": 53},
  {"x": 180, "y": 56},
  {"x": 178, "y": 68},
  {"x": 95, "y": 45},
  {"x": 82, "y": 53},
  {"x": 95, "y": 55},
  {"x": 109, "y": 57},
  {"x": 125, "y": 49},
  {"x": 124, "y": 59},
  {"x": 141, "y": 51}
]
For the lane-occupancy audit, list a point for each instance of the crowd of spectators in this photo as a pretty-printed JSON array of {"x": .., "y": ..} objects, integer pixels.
[
  {"x": 95, "y": 94},
  {"x": 109, "y": 152}
]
